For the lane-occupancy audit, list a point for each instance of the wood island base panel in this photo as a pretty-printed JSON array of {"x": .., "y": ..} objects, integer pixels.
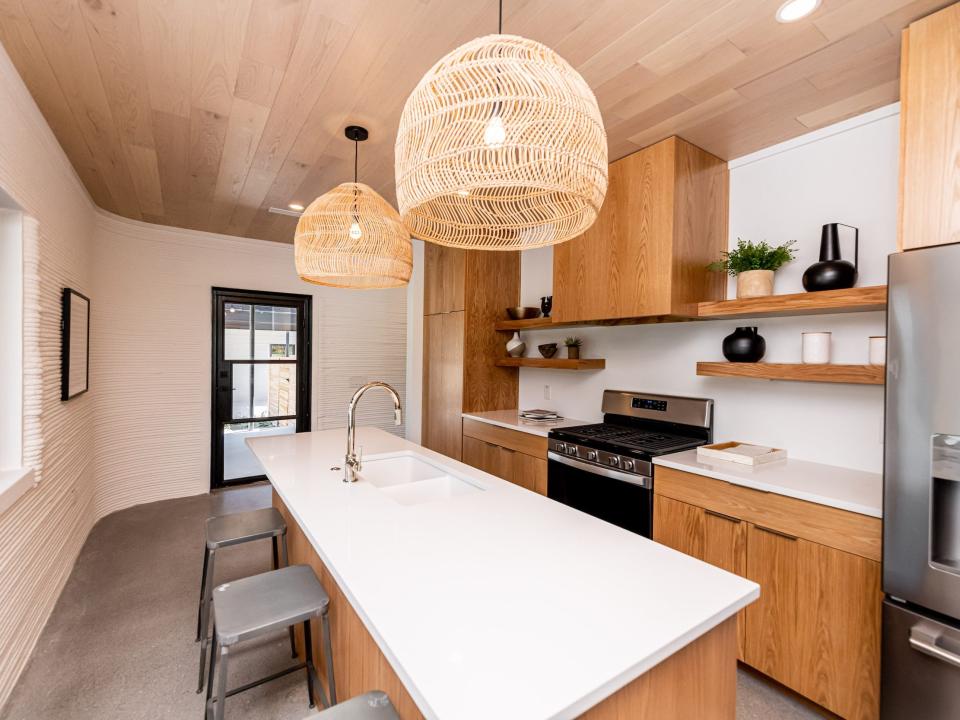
[{"x": 698, "y": 681}]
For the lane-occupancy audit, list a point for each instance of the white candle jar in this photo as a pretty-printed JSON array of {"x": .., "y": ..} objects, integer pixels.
[
  {"x": 816, "y": 347},
  {"x": 878, "y": 350}
]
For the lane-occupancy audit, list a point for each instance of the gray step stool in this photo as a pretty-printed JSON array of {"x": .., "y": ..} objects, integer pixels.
[
  {"x": 369, "y": 706},
  {"x": 251, "y": 607},
  {"x": 235, "y": 529}
]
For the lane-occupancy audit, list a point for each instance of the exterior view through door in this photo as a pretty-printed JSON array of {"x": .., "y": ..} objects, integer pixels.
[{"x": 261, "y": 376}]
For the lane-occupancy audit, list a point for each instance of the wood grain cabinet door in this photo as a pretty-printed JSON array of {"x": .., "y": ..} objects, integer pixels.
[
  {"x": 725, "y": 546},
  {"x": 816, "y": 626},
  {"x": 443, "y": 383},
  {"x": 929, "y": 131},
  {"x": 444, "y": 279},
  {"x": 706, "y": 535}
]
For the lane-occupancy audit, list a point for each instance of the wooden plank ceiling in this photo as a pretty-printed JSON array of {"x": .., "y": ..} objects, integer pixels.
[{"x": 204, "y": 113}]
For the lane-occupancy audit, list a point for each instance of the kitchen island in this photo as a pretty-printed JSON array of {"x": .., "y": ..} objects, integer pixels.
[{"x": 495, "y": 602}]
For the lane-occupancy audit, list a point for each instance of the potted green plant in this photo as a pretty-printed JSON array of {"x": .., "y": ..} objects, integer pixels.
[
  {"x": 573, "y": 347},
  {"x": 753, "y": 264}
]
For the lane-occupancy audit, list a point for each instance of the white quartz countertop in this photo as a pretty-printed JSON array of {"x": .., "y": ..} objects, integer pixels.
[
  {"x": 511, "y": 420},
  {"x": 501, "y": 603},
  {"x": 854, "y": 490}
]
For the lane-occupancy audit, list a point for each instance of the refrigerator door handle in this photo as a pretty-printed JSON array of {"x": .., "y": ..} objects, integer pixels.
[{"x": 922, "y": 640}]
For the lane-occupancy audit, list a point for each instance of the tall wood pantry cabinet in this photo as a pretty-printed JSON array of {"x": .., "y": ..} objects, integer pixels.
[
  {"x": 465, "y": 292},
  {"x": 930, "y": 130},
  {"x": 663, "y": 221}
]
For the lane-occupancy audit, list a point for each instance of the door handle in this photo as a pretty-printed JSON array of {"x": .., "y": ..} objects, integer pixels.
[
  {"x": 775, "y": 532},
  {"x": 924, "y": 641},
  {"x": 722, "y": 516}
]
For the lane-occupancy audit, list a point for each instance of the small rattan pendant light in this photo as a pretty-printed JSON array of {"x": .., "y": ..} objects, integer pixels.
[
  {"x": 501, "y": 146},
  {"x": 350, "y": 237}
]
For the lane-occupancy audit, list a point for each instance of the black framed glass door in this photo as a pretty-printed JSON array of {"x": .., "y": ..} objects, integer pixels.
[{"x": 261, "y": 377}]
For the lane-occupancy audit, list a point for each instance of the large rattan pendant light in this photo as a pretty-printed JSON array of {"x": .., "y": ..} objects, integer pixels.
[
  {"x": 501, "y": 147},
  {"x": 350, "y": 237}
]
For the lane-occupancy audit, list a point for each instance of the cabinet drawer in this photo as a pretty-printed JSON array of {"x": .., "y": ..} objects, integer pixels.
[
  {"x": 535, "y": 445},
  {"x": 839, "y": 529}
]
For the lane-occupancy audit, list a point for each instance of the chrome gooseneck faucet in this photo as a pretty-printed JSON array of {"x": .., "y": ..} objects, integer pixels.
[{"x": 351, "y": 465}]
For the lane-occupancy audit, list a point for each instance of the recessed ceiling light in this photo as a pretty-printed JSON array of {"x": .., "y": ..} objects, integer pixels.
[
  {"x": 794, "y": 10},
  {"x": 296, "y": 206}
]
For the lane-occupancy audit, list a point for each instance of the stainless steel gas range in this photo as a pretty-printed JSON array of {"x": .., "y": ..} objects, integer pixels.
[{"x": 606, "y": 469}]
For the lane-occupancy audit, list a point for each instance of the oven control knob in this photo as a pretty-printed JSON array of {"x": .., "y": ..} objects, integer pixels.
[
  {"x": 628, "y": 465},
  {"x": 561, "y": 447},
  {"x": 614, "y": 461},
  {"x": 591, "y": 454},
  {"x": 572, "y": 450}
]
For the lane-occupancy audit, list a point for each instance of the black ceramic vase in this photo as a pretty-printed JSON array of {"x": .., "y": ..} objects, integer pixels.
[
  {"x": 744, "y": 345},
  {"x": 832, "y": 272},
  {"x": 546, "y": 305}
]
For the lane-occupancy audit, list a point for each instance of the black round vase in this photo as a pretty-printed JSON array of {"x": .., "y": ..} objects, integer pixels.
[
  {"x": 744, "y": 345},
  {"x": 829, "y": 275}
]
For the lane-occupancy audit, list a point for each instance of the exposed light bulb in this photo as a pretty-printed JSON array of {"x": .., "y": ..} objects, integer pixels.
[
  {"x": 296, "y": 206},
  {"x": 794, "y": 10},
  {"x": 494, "y": 133},
  {"x": 355, "y": 232},
  {"x": 463, "y": 192}
]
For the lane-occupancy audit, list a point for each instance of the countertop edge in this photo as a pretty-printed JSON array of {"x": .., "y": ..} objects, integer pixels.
[
  {"x": 532, "y": 429},
  {"x": 620, "y": 681},
  {"x": 857, "y": 508}
]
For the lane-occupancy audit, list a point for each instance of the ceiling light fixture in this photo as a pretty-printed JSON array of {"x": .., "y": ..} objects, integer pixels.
[
  {"x": 794, "y": 10},
  {"x": 501, "y": 146},
  {"x": 350, "y": 237},
  {"x": 296, "y": 207}
]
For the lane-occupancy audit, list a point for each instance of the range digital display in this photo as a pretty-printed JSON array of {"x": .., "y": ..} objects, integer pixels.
[{"x": 648, "y": 404}]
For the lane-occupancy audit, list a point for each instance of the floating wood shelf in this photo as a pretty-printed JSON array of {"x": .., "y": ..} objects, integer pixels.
[
  {"x": 800, "y": 372},
  {"x": 556, "y": 363},
  {"x": 534, "y": 324},
  {"x": 863, "y": 299}
]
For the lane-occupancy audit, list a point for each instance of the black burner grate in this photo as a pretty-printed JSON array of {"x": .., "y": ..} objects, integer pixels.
[{"x": 644, "y": 441}]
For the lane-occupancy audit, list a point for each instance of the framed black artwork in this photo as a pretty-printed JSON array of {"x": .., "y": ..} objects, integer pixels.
[{"x": 75, "y": 344}]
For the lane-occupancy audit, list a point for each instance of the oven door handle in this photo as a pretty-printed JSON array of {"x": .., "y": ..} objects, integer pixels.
[{"x": 641, "y": 480}]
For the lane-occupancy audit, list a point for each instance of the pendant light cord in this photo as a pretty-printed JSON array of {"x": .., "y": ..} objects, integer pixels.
[
  {"x": 356, "y": 156},
  {"x": 500, "y": 20}
]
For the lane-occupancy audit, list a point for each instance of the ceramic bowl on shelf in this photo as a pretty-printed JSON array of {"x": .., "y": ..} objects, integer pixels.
[
  {"x": 548, "y": 350},
  {"x": 523, "y": 313}
]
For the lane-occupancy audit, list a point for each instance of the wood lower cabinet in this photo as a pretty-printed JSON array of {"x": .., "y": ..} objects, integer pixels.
[
  {"x": 717, "y": 539},
  {"x": 520, "y": 458},
  {"x": 816, "y": 626}
]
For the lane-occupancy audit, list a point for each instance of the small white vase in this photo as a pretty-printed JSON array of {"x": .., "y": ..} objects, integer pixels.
[
  {"x": 815, "y": 347},
  {"x": 516, "y": 346},
  {"x": 754, "y": 283}
]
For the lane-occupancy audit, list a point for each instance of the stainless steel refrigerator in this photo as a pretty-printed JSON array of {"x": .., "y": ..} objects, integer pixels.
[{"x": 921, "y": 504}]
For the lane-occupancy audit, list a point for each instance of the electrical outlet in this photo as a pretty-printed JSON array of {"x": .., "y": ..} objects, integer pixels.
[{"x": 546, "y": 392}]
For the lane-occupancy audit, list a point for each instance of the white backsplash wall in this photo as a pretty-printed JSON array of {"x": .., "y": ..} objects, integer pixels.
[{"x": 843, "y": 173}]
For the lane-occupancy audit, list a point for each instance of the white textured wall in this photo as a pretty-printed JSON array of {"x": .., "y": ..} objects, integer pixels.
[
  {"x": 845, "y": 173},
  {"x": 41, "y": 534},
  {"x": 152, "y": 351}
]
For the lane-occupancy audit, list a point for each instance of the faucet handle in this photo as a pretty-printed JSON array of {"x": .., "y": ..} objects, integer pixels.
[{"x": 360, "y": 457}]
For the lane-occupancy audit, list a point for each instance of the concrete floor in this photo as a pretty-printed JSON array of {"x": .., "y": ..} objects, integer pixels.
[{"x": 119, "y": 643}]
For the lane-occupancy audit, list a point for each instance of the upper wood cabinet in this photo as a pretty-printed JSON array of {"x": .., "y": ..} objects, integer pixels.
[
  {"x": 465, "y": 292},
  {"x": 930, "y": 131},
  {"x": 663, "y": 220},
  {"x": 443, "y": 279}
]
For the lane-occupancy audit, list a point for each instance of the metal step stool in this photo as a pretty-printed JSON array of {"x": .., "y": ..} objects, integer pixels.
[{"x": 254, "y": 606}]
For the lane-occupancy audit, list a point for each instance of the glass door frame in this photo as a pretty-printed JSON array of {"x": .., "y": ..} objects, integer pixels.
[{"x": 221, "y": 391}]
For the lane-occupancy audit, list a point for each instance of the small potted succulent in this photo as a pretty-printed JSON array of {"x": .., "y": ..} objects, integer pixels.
[
  {"x": 753, "y": 264},
  {"x": 573, "y": 347}
]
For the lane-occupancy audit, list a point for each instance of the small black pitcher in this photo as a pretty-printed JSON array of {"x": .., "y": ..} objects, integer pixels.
[{"x": 833, "y": 272}]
